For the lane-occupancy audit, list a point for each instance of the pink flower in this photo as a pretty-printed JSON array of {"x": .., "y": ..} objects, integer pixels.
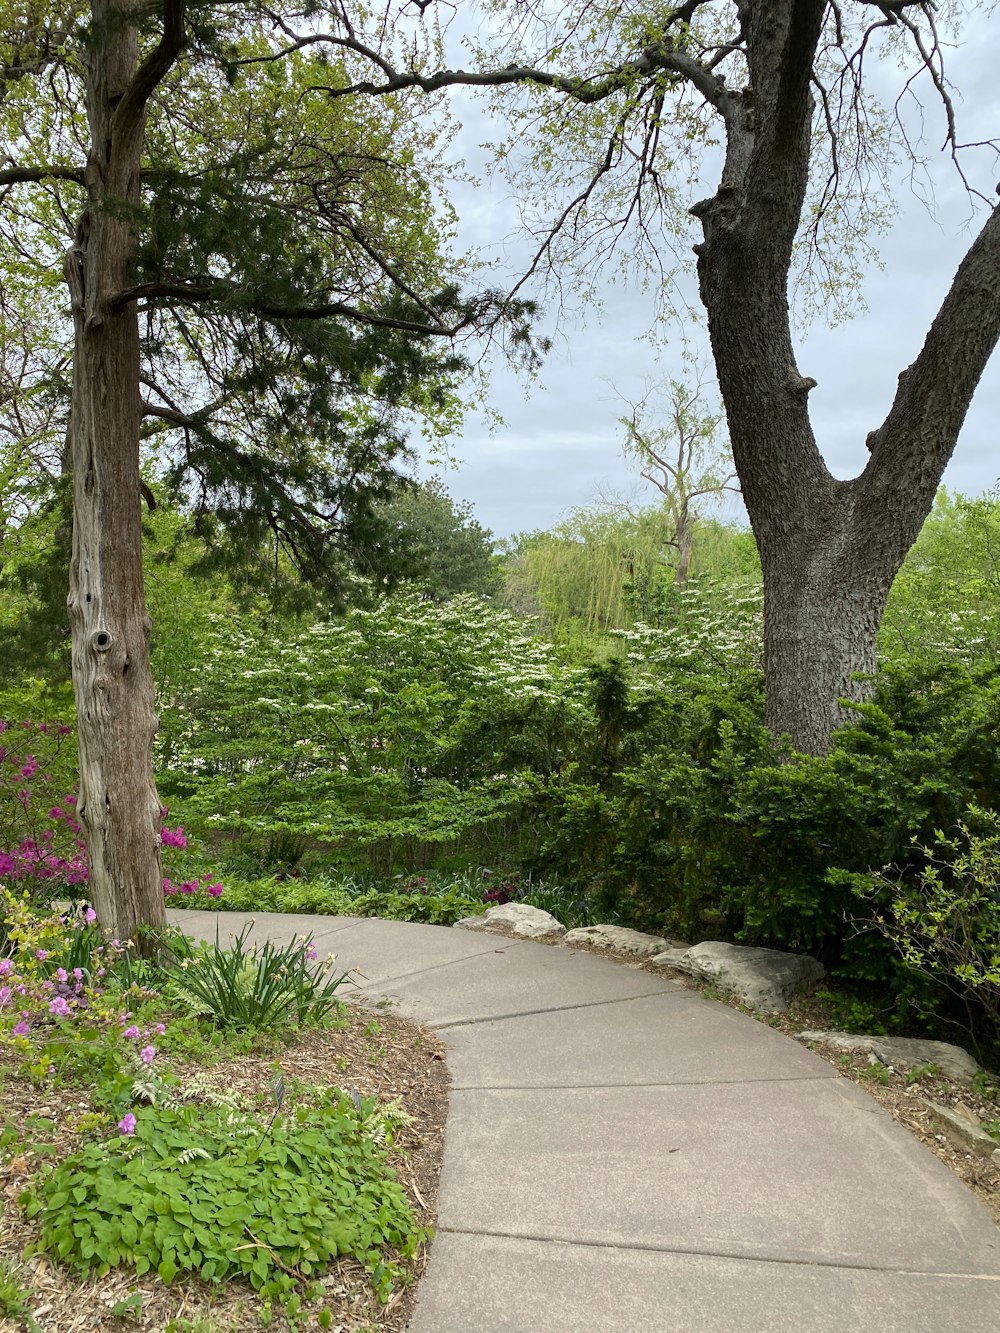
[
  {"x": 59, "y": 1006},
  {"x": 214, "y": 890},
  {"x": 147, "y": 1055},
  {"x": 131, "y": 1033},
  {"x": 41, "y": 954},
  {"x": 127, "y": 1124},
  {"x": 90, "y": 916}
]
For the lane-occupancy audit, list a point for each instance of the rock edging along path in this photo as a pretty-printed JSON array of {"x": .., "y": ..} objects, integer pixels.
[{"x": 622, "y": 1154}]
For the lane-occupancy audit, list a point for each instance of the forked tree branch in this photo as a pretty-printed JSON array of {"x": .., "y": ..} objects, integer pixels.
[{"x": 918, "y": 436}]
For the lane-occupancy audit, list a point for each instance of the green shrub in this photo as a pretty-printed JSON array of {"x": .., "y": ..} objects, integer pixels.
[
  {"x": 945, "y": 918},
  {"x": 440, "y": 906},
  {"x": 200, "y": 1189}
]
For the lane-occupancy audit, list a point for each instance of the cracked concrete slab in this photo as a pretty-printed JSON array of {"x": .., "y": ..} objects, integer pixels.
[
  {"x": 780, "y": 1169},
  {"x": 647, "y": 1039},
  {"x": 510, "y": 1285}
]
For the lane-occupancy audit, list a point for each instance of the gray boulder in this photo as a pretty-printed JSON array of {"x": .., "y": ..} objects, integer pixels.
[
  {"x": 518, "y": 919},
  {"x": 617, "y": 939},
  {"x": 762, "y": 978},
  {"x": 903, "y": 1052}
]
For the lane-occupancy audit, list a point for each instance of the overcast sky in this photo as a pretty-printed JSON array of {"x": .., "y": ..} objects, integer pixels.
[{"x": 560, "y": 445}]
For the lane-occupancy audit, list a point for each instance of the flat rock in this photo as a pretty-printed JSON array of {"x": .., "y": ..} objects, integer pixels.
[
  {"x": 838, "y": 1041},
  {"x": 519, "y": 919},
  {"x": 762, "y": 978},
  {"x": 617, "y": 939},
  {"x": 962, "y": 1130},
  {"x": 903, "y": 1052}
]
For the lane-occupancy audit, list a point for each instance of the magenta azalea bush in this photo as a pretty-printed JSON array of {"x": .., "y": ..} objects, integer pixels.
[{"x": 40, "y": 838}]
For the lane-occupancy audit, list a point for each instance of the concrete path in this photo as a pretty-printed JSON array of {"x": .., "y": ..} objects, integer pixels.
[{"x": 622, "y": 1156}]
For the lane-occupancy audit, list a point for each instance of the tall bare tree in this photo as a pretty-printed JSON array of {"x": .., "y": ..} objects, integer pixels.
[{"x": 682, "y": 460}]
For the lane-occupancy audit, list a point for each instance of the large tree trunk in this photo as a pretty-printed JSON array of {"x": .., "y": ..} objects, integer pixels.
[
  {"x": 822, "y": 611},
  {"x": 118, "y": 808},
  {"x": 829, "y": 549}
]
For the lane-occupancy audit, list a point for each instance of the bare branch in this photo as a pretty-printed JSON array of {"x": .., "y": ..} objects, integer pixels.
[
  {"x": 657, "y": 58},
  {"x": 19, "y": 175},
  {"x": 920, "y": 432}
]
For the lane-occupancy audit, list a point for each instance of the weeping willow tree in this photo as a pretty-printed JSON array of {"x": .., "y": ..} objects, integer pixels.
[{"x": 586, "y": 571}]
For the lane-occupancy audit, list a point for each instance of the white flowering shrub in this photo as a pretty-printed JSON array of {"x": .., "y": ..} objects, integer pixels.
[{"x": 407, "y": 723}]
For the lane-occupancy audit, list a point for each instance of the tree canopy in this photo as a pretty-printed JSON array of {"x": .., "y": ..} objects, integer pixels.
[
  {"x": 758, "y": 120},
  {"x": 261, "y": 299}
]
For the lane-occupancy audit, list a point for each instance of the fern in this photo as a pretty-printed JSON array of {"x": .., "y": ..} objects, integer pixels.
[{"x": 189, "y": 1154}]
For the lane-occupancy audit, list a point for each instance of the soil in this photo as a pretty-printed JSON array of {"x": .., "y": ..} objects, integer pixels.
[{"x": 377, "y": 1053}]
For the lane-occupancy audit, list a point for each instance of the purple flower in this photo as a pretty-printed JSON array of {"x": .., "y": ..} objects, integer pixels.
[
  {"x": 5, "y": 994},
  {"x": 214, "y": 890},
  {"x": 21, "y": 1029},
  {"x": 6, "y": 966},
  {"x": 90, "y": 916},
  {"x": 41, "y": 954},
  {"x": 127, "y": 1124},
  {"x": 59, "y": 1006},
  {"x": 147, "y": 1055},
  {"x": 131, "y": 1033}
]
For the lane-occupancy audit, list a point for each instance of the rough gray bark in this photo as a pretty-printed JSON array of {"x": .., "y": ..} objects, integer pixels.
[
  {"x": 829, "y": 549},
  {"x": 118, "y": 806}
]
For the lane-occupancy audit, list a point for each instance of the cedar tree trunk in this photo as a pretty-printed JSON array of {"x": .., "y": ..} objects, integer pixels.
[{"x": 118, "y": 806}]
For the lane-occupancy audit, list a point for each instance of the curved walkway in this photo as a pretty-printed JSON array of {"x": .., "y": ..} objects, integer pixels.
[{"x": 623, "y": 1156}]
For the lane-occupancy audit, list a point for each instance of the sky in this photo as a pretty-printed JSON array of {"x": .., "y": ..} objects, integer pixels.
[{"x": 560, "y": 444}]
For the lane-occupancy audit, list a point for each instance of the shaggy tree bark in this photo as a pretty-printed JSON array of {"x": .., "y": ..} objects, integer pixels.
[{"x": 118, "y": 806}]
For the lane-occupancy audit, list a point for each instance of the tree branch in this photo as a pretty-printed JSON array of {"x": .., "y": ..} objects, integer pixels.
[
  {"x": 153, "y": 69},
  {"x": 658, "y": 57},
  {"x": 201, "y": 293},
  {"x": 16, "y": 175},
  {"x": 917, "y": 438}
]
